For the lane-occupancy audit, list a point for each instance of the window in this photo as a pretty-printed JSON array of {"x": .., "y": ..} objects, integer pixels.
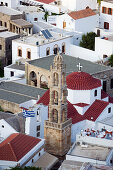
[
  {"x": 38, "y": 128},
  {"x": 47, "y": 51},
  {"x": 35, "y": 19},
  {"x": 109, "y": 110},
  {"x": 95, "y": 93},
  {"x": 29, "y": 54},
  {"x": 5, "y": 24},
  {"x": 38, "y": 134},
  {"x": 12, "y": 73},
  {"x": 9, "y": 46},
  {"x": 64, "y": 24},
  {"x": 20, "y": 52},
  {"x": 111, "y": 83},
  {"x": 1, "y": 3},
  {"x": 109, "y": 11},
  {"x": 32, "y": 160},
  {"x": 38, "y": 111},
  {"x": 0, "y": 23},
  {"x": 6, "y": 4},
  {"x": 105, "y": 56},
  {"x": 104, "y": 10},
  {"x": 29, "y": 30},
  {"x": 63, "y": 48},
  {"x": 111, "y": 161},
  {"x": 104, "y": 85},
  {"x": 0, "y": 47},
  {"x": 106, "y": 25},
  {"x": 2, "y": 126},
  {"x": 39, "y": 154}
]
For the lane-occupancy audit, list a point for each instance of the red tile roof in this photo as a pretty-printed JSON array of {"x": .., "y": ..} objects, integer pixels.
[
  {"x": 92, "y": 113},
  {"x": 16, "y": 146},
  {"x": 103, "y": 94},
  {"x": 46, "y": 1},
  {"x": 81, "y": 104},
  {"x": 82, "y": 81},
  {"x": 81, "y": 14}
]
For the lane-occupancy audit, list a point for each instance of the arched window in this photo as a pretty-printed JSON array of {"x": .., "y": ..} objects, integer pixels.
[
  {"x": 33, "y": 78},
  {"x": 55, "y": 115},
  {"x": 55, "y": 79},
  {"x": 55, "y": 50},
  {"x": 95, "y": 93},
  {"x": 28, "y": 53},
  {"x": 55, "y": 97},
  {"x": 63, "y": 48},
  {"x": 47, "y": 51},
  {"x": 19, "y": 51},
  {"x": 43, "y": 82}
]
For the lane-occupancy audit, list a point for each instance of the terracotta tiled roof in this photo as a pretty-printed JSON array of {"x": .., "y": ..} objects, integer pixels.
[
  {"x": 81, "y": 14},
  {"x": 92, "y": 113},
  {"x": 46, "y": 1},
  {"x": 103, "y": 94},
  {"x": 82, "y": 81},
  {"x": 81, "y": 104},
  {"x": 44, "y": 99},
  {"x": 16, "y": 146}
]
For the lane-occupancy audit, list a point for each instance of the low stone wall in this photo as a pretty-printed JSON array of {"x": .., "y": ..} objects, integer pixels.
[{"x": 10, "y": 106}]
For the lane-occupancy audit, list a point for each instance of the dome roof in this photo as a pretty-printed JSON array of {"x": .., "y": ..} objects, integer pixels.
[{"x": 82, "y": 81}]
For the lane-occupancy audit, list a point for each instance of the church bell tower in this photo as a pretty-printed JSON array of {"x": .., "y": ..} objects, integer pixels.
[{"x": 57, "y": 130}]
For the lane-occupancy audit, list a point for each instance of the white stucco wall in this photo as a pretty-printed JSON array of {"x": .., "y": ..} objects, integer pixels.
[
  {"x": 84, "y": 53},
  {"x": 17, "y": 73},
  {"x": 83, "y": 25},
  {"x": 40, "y": 50},
  {"x": 11, "y": 3},
  {"x": 32, "y": 122},
  {"x": 103, "y": 47},
  {"x": 79, "y": 4},
  {"x": 5, "y": 129},
  {"x": 106, "y": 17},
  {"x": 83, "y": 96}
]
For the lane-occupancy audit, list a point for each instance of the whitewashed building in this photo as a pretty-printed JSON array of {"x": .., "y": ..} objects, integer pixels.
[
  {"x": 104, "y": 47},
  {"x": 76, "y": 5},
  {"x": 10, "y": 3},
  {"x": 37, "y": 46},
  {"x": 82, "y": 21},
  {"x": 87, "y": 103},
  {"x": 106, "y": 15},
  {"x": 20, "y": 150}
]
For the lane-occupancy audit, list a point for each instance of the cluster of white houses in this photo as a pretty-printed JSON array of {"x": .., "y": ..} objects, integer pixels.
[{"x": 76, "y": 106}]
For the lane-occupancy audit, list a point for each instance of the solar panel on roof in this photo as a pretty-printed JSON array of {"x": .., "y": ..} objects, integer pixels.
[
  {"x": 48, "y": 33},
  {"x": 45, "y": 34}
]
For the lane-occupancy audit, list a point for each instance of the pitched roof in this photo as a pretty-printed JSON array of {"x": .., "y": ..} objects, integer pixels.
[
  {"x": 71, "y": 64},
  {"x": 81, "y": 14},
  {"x": 82, "y": 81},
  {"x": 17, "y": 146},
  {"x": 92, "y": 113},
  {"x": 46, "y": 1}
]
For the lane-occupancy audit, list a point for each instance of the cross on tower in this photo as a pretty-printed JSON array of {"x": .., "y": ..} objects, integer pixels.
[{"x": 79, "y": 67}]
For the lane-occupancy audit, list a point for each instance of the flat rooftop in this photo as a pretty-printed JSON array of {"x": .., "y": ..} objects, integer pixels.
[
  {"x": 71, "y": 64},
  {"x": 9, "y": 11},
  {"x": 3, "y": 29},
  {"x": 32, "y": 40},
  {"x": 91, "y": 152},
  {"x": 7, "y": 34},
  {"x": 21, "y": 22},
  {"x": 19, "y": 93},
  {"x": 107, "y": 121}
]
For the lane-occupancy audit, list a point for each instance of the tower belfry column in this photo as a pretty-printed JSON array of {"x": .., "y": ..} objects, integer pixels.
[{"x": 57, "y": 130}]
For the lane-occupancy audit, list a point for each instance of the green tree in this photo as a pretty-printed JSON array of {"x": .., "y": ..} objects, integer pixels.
[
  {"x": 111, "y": 60},
  {"x": 88, "y": 41}
]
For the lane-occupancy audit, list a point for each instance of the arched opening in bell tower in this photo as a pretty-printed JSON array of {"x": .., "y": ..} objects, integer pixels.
[{"x": 33, "y": 78}]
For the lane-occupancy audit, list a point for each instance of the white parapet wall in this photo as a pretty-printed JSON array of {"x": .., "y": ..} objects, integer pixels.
[
  {"x": 94, "y": 141},
  {"x": 84, "y": 53}
]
